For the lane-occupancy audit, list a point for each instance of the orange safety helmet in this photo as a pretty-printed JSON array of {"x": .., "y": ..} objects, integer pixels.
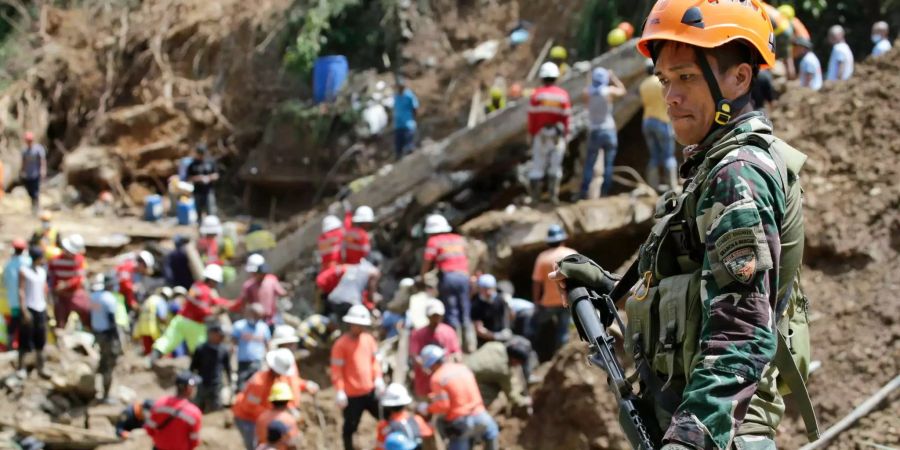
[
  {"x": 709, "y": 24},
  {"x": 627, "y": 28}
]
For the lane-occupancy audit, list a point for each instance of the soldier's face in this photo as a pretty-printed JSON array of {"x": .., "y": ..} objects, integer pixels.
[{"x": 688, "y": 100}]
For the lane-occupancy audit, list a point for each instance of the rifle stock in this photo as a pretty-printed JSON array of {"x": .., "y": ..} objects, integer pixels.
[{"x": 592, "y": 314}]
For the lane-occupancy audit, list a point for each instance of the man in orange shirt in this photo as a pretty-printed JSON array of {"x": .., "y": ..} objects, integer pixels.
[
  {"x": 398, "y": 420},
  {"x": 355, "y": 372},
  {"x": 455, "y": 396},
  {"x": 551, "y": 318},
  {"x": 280, "y": 395}
]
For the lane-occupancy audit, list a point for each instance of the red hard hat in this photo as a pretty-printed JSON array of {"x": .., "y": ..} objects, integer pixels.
[
  {"x": 29, "y": 136},
  {"x": 19, "y": 244}
]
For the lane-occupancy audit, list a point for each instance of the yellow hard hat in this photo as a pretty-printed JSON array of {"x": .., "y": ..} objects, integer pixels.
[
  {"x": 616, "y": 37},
  {"x": 496, "y": 93},
  {"x": 787, "y": 11},
  {"x": 558, "y": 52},
  {"x": 281, "y": 392}
]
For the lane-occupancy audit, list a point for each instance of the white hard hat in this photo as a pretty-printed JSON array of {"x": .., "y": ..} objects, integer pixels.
[
  {"x": 435, "y": 307},
  {"x": 548, "y": 70},
  {"x": 213, "y": 272},
  {"x": 330, "y": 223},
  {"x": 73, "y": 244},
  {"x": 358, "y": 315},
  {"x": 396, "y": 394},
  {"x": 280, "y": 360},
  {"x": 254, "y": 261},
  {"x": 147, "y": 258},
  {"x": 363, "y": 214},
  {"x": 211, "y": 225},
  {"x": 284, "y": 334},
  {"x": 436, "y": 223},
  {"x": 407, "y": 283}
]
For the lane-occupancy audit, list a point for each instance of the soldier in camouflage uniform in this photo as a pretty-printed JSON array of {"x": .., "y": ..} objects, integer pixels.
[{"x": 717, "y": 322}]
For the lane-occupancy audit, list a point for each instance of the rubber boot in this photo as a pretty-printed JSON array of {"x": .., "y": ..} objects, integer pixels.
[
  {"x": 535, "y": 188},
  {"x": 553, "y": 187},
  {"x": 672, "y": 177},
  {"x": 651, "y": 175}
]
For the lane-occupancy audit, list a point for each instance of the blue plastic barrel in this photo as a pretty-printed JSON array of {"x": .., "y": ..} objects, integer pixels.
[
  {"x": 329, "y": 75},
  {"x": 187, "y": 214},
  {"x": 153, "y": 208}
]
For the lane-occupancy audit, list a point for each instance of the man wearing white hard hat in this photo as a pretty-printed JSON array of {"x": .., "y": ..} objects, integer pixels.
[
  {"x": 446, "y": 251},
  {"x": 262, "y": 288},
  {"x": 438, "y": 333},
  {"x": 209, "y": 241},
  {"x": 357, "y": 243},
  {"x": 330, "y": 242},
  {"x": 130, "y": 274},
  {"x": 398, "y": 420},
  {"x": 68, "y": 274},
  {"x": 548, "y": 127},
  {"x": 201, "y": 302},
  {"x": 355, "y": 372},
  {"x": 253, "y": 400}
]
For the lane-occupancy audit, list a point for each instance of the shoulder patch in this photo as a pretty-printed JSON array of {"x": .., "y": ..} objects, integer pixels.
[{"x": 741, "y": 264}]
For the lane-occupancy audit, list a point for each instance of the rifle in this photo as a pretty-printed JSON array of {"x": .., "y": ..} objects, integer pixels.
[{"x": 592, "y": 314}]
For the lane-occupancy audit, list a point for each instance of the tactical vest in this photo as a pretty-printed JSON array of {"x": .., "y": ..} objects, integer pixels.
[{"x": 665, "y": 312}]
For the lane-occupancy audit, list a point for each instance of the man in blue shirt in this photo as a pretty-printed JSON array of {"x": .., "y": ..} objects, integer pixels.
[
  {"x": 103, "y": 323},
  {"x": 406, "y": 105},
  {"x": 809, "y": 69},
  {"x": 880, "y": 39},
  {"x": 11, "y": 284},
  {"x": 251, "y": 335}
]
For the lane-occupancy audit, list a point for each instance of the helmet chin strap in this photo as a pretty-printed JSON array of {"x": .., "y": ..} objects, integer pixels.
[{"x": 725, "y": 109}]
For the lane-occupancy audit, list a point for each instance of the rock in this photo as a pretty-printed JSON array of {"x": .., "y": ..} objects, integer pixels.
[
  {"x": 167, "y": 369},
  {"x": 79, "y": 379}
]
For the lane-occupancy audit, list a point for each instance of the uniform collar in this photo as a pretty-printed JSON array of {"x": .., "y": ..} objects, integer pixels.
[{"x": 751, "y": 122}]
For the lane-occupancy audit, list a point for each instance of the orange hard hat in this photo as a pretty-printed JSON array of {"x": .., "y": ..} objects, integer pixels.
[
  {"x": 627, "y": 28},
  {"x": 706, "y": 24},
  {"x": 29, "y": 136},
  {"x": 19, "y": 244}
]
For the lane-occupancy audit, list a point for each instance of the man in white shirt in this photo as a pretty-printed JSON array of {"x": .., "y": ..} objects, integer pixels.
[
  {"x": 809, "y": 70},
  {"x": 840, "y": 64},
  {"x": 880, "y": 38}
]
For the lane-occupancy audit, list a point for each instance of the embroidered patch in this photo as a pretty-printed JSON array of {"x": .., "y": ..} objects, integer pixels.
[
  {"x": 741, "y": 264},
  {"x": 735, "y": 239}
]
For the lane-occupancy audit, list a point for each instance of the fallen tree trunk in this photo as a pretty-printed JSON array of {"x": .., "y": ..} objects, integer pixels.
[{"x": 420, "y": 180}]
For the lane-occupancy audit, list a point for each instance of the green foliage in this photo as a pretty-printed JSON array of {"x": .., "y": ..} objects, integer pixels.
[{"x": 310, "y": 23}]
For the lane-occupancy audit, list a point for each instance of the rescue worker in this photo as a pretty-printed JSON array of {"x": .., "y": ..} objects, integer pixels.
[
  {"x": 177, "y": 265},
  {"x": 330, "y": 242},
  {"x": 657, "y": 130},
  {"x": 456, "y": 398},
  {"x": 34, "y": 295},
  {"x": 725, "y": 278},
  {"x": 406, "y": 111},
  {"x": 496, "y": 100},
  {"x": 210, "y": 361},
  {"x": 285, "y": 336},
  {"x": 262, "y": 289},
  {"x": 551, "y": 318},
  {"x": 357, "y": 243},
  {"x": 46, "y": 236},
  {"x": 840, "y": 63},
  {"x": 881, "y": 38},
  {"x": 446, "y": 252},
  {"x": 259, "y": 239},
  {"x": 435, "y": 333},
  {"x": 251, "y": 337},
  {"x": 493, "y": 365},
  {"x": 277, "y": 436},
  {"x": 398, "y": 420},
  {"x": 67, "y": 274},
  {"x": 253, "y": 400},
  {"x": 353, "y": 284},
  {"x": 18, "y": 260},
  {"x": 201, "y": 302},
  {"x": 356, "y": 372},
  {"x": 316, "y": 331},
  {"x": 280, "y": 396},
  {"x": 174, "y": 422},
  {"x": 103, "y": 323},
  {"x": 548, "y": 130},
  {"x": 33, "y": 170},
  {"x": 399, "y": 441},
  {"x": 809, "y": 70},
  {"x": 784, "y": 38},
  {"x": 490, "y": 313},
  {"x": 133, "y": 417},
  {"x": 152, "y": 316},
  {"x": 603, "y": 141},
  {"x": 559, "y": 56},
  {"x": 130, "y": 273},
  {"x": 203, "y": 173},
  {"x": 209, "y": 242}
]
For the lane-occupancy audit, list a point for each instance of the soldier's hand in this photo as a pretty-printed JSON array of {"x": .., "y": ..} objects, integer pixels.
[{"x": 584, "y": 271}]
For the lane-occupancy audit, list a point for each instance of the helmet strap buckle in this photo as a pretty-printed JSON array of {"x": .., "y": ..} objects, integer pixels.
[{"x": 723, "y": 112}]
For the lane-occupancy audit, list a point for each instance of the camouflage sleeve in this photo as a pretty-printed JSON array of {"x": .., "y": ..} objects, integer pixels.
[{"x": 737, "y": 218}]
